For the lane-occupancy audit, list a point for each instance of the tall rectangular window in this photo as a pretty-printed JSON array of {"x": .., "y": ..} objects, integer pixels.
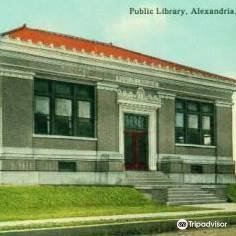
[
  {"x": 85, "y": 111},
  {"x": 64, "y": 108},
  {"x": 42, "y": 107},
  {"x": 42, "y": 115},
  {"x": 194, "y": 122}
]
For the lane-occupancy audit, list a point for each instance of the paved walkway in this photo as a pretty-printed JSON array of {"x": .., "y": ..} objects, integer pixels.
[
  {"x": 229, "y": 231},
  {"x": 216, "y": 208}
]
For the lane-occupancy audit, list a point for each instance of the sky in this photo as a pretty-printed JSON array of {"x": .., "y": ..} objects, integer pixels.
[{"x": 207, "y": 42}]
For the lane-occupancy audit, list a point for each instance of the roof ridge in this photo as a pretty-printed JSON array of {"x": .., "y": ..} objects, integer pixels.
[{"x": 13, "y": 30}]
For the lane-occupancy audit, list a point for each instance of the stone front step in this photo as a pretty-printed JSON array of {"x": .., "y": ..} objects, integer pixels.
[
  {"x": 140, "y": 174},
  {"x": 153, "y": 187},
  {"x": 149, "y": 183},
  {"x": 147, "y": 178},
  {"x": 192, "y": 194},
  {"x": 180, "y": 198},
  {"x": 171, "y": 185},
  {"x": 199, "y": 201},
  {"x": 184, "y": 187},
  {"x": 186, "y": 191}
]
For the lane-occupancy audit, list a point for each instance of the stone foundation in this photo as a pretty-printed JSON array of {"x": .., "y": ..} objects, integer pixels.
[
  {"x": 60, "y": 178},
  {"x": 186, "y": 170}
]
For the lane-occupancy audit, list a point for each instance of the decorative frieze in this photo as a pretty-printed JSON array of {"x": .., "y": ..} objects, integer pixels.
[{"x": 139, "y": 97}]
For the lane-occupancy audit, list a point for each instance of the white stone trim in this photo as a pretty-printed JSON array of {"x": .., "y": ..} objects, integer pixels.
[
  {"x": 109, "y": 155},
  {"x": 166, "y": 95},
  {"x": 234, "y": 126},
  {"x": 57, "y": 154},
  {"x": 16, "y": 150},
  {"x": 223, "y": 104},
  {"x": 12, "y": 73},
  {"x": 196, "y": 159},
  {"x": 107, "y": 86},
  {"x": 63, "y": 137},
  {"x": 194, "y": 145},
  {"x": 126, "y": 106},
  {"x": 46, "y": 153},
  {"x": 63, "y": 151}
]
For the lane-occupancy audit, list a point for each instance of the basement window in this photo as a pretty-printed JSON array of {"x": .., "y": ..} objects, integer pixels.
[
  {"x": 196, "y": 169},
  {"x": 67, "y": 166}
]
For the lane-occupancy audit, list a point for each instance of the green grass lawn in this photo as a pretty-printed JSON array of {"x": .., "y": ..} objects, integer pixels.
[
  {"x": 231, "y": 193},
  {"x": 40, "y": 202}
]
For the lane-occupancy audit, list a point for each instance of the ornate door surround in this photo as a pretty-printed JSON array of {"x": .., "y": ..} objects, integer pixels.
[{"x": 140, "y": 103}]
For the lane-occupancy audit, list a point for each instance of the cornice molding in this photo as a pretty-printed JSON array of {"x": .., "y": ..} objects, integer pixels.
[
  {"x": 16, "y": 74},
  {"x": 107, "y": 86},
  {"x": 164, "y": 95},
  {"x": 220, "y": 103},
  {"x": 111, "y": 63}
]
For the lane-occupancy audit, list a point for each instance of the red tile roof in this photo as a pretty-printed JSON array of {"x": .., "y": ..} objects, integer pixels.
[{"x": 25, "y": 33}]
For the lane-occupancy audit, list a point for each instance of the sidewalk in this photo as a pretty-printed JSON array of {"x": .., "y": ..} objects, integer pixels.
[{"x": 217, "y": 208}]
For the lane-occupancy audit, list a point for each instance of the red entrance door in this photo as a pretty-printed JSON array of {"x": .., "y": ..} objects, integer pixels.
[{"x": 136, "y": 142}]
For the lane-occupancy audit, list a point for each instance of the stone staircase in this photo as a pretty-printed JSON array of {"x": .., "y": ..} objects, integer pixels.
[
  {"x": 190, "y": 194},
  {"x": 158, "y": 186},
  {"x": 148, "y": 179}
]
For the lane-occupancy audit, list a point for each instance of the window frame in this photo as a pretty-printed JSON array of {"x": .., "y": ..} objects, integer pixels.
[
  {"x": 73, "y": 96},
  {"x": 200, "y": 114}
]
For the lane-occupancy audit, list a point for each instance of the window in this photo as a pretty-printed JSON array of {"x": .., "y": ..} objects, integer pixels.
[
  {"x": 63, "y": 116},
  {"x": 67, "y": 166},
  {"x": 135, "y": 122},
  {"x": 196, "y": 169},
  {"x": 194, "y": 122},
  {"x": 42, "y": 114},
  {"x": 63, "y": 108}
]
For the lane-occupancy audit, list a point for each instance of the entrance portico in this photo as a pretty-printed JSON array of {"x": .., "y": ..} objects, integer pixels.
[{"x": 139, "y": 104}]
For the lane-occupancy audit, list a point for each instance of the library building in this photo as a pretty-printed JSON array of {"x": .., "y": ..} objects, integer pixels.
[{"x": 78, "y": 111}]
